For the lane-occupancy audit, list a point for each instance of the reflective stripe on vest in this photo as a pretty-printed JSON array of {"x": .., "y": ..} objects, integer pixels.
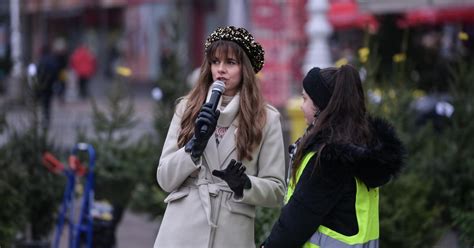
[
  {"x": 367, "y": 213},
  {"x": 327, "y": 241}
]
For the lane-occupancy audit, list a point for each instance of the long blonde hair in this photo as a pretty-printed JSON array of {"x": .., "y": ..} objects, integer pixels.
[{"x": 252, "y": 114}]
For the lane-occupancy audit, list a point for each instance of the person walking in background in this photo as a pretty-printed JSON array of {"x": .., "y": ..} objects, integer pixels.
[
  {"x": 5, "y": 67},
  {"x": 339, "y": 165},
  {"x": 60, "y": 52},
  {"x": 218, "y": 177},
  {"x": 47, "y": 75},
  {"x": 83, "y": 63}
]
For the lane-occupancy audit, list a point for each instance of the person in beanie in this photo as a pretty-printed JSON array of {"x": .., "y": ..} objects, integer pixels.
[
  {"x": 216, "y": 178},
  {"x": 339, "y": 165}
]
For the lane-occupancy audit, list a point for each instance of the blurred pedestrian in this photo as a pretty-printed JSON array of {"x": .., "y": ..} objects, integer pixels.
[
  {"x": 5, "y": 66},
  {"x": 83, "y": 62},
  {"x": 47, "y": 75},
  {"x": 339, "y": 165},
  {"x": 218, "y": 176},
  {"x": 60, "y": 52}
]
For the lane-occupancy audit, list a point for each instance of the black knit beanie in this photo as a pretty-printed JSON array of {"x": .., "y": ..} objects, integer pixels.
[{"x": 315, "y": 87}]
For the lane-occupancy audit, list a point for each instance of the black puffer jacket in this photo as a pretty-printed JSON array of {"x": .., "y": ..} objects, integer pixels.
[{"x": 325, "y": 194}]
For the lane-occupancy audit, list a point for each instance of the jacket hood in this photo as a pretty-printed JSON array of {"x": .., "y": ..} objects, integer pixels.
[{"x": 375, "y": 165}]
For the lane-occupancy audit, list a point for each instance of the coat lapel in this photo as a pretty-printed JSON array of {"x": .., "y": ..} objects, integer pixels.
[
  {"x": 216, "y": 155},
  {"x": 211, "y": 154},
  {"x": 228, "y": 119},
  {"x": 227, "y": 145}
]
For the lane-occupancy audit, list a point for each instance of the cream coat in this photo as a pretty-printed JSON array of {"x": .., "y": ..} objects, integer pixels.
[{"x": 202, "y": 210}]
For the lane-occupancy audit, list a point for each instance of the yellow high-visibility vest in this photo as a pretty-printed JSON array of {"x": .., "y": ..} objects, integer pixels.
[{"x": 367, "y": 212}]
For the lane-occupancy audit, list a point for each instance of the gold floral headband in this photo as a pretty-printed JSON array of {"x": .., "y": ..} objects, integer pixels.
[{"x": 244, "y": 39}]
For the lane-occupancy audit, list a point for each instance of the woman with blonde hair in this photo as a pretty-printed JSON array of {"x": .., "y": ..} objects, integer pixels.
[{"x": 217, "y": 175}]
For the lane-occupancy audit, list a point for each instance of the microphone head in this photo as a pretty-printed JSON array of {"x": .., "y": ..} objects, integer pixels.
[{"x": 218, "y": 86}]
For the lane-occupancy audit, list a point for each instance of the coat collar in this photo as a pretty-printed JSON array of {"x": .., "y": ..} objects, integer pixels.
[
  {"x": 374, "y": 164},
  {"x": 229, "y": 113}
]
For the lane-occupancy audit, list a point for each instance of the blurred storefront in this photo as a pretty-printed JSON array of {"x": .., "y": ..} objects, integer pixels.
[
  {"x": 355, "y": 20},
  {"x": 401, "y": 6},
  {"x": 140, "y": 34},
  {"x": 96, "y": 23},
  {"x": 279, "y": 26}
]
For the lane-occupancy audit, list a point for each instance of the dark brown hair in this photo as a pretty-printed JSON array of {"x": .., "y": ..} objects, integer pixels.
[{"x": 344, "y": 120}]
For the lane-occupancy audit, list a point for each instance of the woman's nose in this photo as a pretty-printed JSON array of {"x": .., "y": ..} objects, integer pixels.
[{"x": 221, "y": 67}]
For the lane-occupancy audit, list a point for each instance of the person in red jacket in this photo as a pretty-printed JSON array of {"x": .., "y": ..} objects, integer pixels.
[{"x": 83, "y": 62}]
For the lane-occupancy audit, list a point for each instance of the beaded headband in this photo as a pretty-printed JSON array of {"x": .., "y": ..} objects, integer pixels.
[{"x": 244, "y": 39}]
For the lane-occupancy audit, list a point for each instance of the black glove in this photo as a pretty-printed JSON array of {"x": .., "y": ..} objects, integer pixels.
[
  {"x": 206, "y": 117},
  {"x": 234, "y": 175}
]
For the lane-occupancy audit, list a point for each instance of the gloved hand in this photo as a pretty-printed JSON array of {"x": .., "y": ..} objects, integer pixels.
[
  {"x": 206, "y": 117},
  {"x": 234, "y": 175}
]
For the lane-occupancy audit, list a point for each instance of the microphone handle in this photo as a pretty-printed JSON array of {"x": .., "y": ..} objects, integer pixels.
[{"x": 215, "y": 97}]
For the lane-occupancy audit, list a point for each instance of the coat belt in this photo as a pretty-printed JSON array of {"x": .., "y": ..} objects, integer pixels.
[{"x": 206, "y": 189}]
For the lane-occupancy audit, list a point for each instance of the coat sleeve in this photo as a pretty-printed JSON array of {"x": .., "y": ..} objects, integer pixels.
[
  {"x": 268, "y": 185},
  {"x": 314, "y": 197},
  {"x": 175, "y": 164}
]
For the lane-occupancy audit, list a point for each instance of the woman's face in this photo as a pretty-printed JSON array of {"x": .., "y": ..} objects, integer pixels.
[
  {"x": 226, "y": 68},
  {"x": 308, "y": 108}
]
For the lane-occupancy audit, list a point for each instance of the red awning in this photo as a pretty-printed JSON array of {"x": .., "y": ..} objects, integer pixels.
[
  {"x": 345, "y": 14},
  {"x": 431, "y": 16}
]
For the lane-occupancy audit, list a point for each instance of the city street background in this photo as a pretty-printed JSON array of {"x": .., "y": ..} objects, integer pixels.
[
  {"x": 415, "y": 58},
  {"x": 135, "y": 230}
]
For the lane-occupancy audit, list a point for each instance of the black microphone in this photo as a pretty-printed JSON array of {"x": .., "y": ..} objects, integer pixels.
[{"x": 218, "y": 87}]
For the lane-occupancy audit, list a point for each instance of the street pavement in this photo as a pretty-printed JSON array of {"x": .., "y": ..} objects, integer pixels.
[{"x": 72, "y": 114}]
